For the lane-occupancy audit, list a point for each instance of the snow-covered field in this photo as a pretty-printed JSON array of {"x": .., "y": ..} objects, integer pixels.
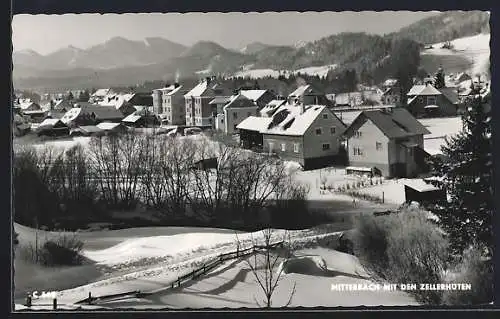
[
  {"x": 230, "y": 285},
  {"x": 233, "y": 285},
  {"x": 474, "y": 48}
]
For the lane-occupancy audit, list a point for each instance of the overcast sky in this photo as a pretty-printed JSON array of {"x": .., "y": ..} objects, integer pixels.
[{"x": 48, "y": 33}]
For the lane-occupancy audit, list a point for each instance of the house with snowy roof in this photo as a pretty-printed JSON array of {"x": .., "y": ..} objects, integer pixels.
[
  {"x": 428, "y": 101},
  {"x": 387, "y": 142},
  {"x": 308, "y": 95},
  {"x": 199, "y": 111},
  {"x": 309, "y": 135},
  {"x": 260, "y": 97},
  {"x": 169, "y": 104},
  {"x": 234, "y": 112},
  {"x": 271, "y": 107},
  {"x": 88, "y": 114}
]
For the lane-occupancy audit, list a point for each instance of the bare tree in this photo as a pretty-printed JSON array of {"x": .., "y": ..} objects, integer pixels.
[{"x": 265, "y": 265}]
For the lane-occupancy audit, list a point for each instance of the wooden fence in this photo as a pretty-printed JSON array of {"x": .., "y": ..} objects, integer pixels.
[{"x": 196, "y": 273}]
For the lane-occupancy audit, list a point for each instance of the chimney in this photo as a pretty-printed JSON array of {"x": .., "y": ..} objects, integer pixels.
[
  {"x": 302, "y": 108},
  {"x": 176, "y": 84},
  {"x": 208, "y": 79}
]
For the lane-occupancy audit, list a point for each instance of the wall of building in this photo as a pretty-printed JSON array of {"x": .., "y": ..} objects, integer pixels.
[
  {"x": 367, "y": 142},
  {"x": 314, "y": 143},
  {"x": 293, "y": 147},
  {"x": 241, "y": 113},
  {"x": 174, "y": 108},
  {"x": 190, "y": 111}
]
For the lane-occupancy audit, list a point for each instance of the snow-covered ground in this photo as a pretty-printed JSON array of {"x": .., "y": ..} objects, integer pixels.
[
  {"x": 474, "y": 48},
  {"x": 262, "y": 73},
  {"x": 440, "y": 128},
  {"x": 233, "y": 285}
]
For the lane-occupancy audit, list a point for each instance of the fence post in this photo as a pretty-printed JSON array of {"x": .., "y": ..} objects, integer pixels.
[
  {"x": 54, "y": 304},
  {"x": 28, "y": 301},
  {"x": 90, "y": 298},
  {"x": 382, "y": 197}
]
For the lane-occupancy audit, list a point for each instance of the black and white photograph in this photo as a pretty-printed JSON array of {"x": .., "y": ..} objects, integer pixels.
[{"x": 251, "y": 160}]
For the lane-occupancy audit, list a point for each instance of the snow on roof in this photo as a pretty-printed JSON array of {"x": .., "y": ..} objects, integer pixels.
[
  {"x": 431, "y": 107},
  {"x": 221, "y": 100},
  {"x": 428, "y": 89},
  {"x": 393, "y": 123},
  {"x": 71, "y": 115},
  {"x": 26, "y": 105},
  {"x": 107, "y": 125},
  {"x": 271, "y": 106},
  {"x": 198, "y": 90},
  {"x": 253, "y": 95},
  {"x": 89, "y": 129},
  {"x": 102, "y": 92},
  {"x": 301, "y": 90},
  {"x": 173, "y": 90},
  {"x": 419, "y": 185},
  {"x": 254, "y": 123},
  {"x": 49, "y": 122},
  {"x": 132, "y": 118},
  {"x": 289, "y": 119},
  {"x": 390, "y": 82},
  {"x": 239, "y": 101}
]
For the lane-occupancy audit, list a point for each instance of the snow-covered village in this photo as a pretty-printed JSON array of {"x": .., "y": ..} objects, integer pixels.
[{"x": 214, "y": 168}]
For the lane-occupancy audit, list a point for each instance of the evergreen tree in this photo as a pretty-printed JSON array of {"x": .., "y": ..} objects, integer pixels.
[
  {"x": 84, "y": 96},
  {"x": 69, "y": 96},
  {"x": 467, "y": 177},
  {"x": 439, "y": 79}
]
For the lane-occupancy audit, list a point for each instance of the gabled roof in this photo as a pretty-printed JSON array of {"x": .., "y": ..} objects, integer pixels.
[
  {"x": 108, "y": 125},
  {"x": 50, "y": 123},
  {"x": 253, "y": 95},
  {"x": 89, "y": 129},
  {"x": 132, "y": 118},
  {"x": 101, "y": 112},
  {"x": 102, "y": 92},
  {"x": 450, "y": 93},
  {"x": 221, "y": 100},
  {"x": 271, "y": 107},
  {"x": 27, "y": 105},
  {"x": 303, "y": 90},
  {"x": 394, "y": 123},
  {"x": 173, "y": 90},
  {"x": 238, "y": 101},
  {"x": 208, "y": 88},
  {"x": 62, "y": 104},
  {"x": 254, "y": 123},
  {"x": 421, "y": 90},
  {"x": 290, "y": 120}
]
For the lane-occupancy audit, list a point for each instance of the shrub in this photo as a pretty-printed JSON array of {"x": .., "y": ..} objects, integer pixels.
[
  {"x": 370, "y": 242},
  {"x": 61, "y": 251},
  {"x": 477, "y": 272},
  {"x": 417, "y": 252},
  {"x": 404, "y": 247}
]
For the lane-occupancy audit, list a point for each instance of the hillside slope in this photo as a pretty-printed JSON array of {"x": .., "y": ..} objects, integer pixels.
[{"x": 446, "y": 26}]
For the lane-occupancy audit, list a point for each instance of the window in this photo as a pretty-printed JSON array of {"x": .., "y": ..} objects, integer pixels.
[
  {"x": 332, "y": 130},
  {"x": 326, "y": 146},
  {"x": 378, "y": 146},
  {"x": 357, "y": 151},
  {"x": 431, "y": 100},
  {"x": 283, "y": 147},
  {"x": 210, "y": 120},
  {"x": 325, "y": 116},
  {"x": 357, "y": 134},
  {"x": 296, "y": 147},
  {"x": 235, "y": 115},
  {"x": 318, "y": 131}
]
